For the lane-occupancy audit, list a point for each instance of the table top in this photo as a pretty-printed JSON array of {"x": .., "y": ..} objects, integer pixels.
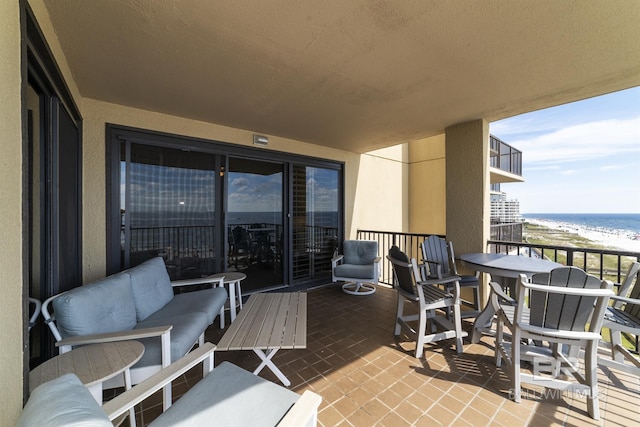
[
  {"x": 269, "y": 321},
  {"x": 93, "y": 363},
  {"x": 230, "y": 276},
  {"x": 508, "y": 265}
]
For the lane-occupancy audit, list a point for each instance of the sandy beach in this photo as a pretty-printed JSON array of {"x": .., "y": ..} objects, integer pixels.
[{"x": 606, "y": 238}]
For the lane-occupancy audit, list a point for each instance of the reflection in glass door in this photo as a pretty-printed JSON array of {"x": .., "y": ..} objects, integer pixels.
[
  {"x": 167, "y": 209},
  {"x": 315, "y": 221},
  {"x": 254, "y": 215}
]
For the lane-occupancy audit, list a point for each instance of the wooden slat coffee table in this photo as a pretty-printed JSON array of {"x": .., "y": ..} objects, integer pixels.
[{"x": 267, "y": 323}]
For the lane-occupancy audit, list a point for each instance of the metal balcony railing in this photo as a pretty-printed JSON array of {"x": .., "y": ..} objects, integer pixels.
[
  {"x": 603, "y": 263},
  {"x": 408, "y": 243}
]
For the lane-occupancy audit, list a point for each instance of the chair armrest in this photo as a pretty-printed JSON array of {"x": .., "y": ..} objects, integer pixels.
[
  {"x": 439, "y": 280},
  {"x": 560, "y": 334},
  {"x": 450, "y": 280},
  {"x": 626, "y": 300},
  {"x": 377, "y": 260},
  {"x": 131, "y": 334},
  {"x": 336, "y": 260},
  {"x": 303, "y": 411},
  {"x": 123, "y": 402},
  {"x": 198, "y": 281}
]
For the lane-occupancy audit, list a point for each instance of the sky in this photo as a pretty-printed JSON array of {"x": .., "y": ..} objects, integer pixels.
[{"x": 582, "y": 157}]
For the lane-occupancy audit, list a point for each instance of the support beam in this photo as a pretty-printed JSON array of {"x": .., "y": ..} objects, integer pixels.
[{"x": 467, "y": 172}]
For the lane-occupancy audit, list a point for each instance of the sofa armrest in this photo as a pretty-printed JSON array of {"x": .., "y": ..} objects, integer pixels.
[
  {"x": 304, "y": 412},
  {"x": 123, "y": 402},
  {"x": 132, "y": 334}
]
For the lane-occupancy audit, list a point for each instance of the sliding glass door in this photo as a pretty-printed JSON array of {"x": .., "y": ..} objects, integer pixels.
[
  {"x": 207, "y": 207},
  {"x": 316, "y": 217},
  {"x": 254, "y": 220}
]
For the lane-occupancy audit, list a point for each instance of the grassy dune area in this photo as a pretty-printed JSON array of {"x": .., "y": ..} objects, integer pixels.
[{"x": 537, "y": 234}]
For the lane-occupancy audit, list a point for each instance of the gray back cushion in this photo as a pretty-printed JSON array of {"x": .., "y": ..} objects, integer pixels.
[
  {"x": 63, "y": 402},
  {"x": 151, "y": 287},
  {"x": 99, "y": 307},
  {"x": 359, "y": 252}
]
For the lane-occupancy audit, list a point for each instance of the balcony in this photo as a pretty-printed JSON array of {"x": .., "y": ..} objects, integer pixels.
[
  {"x": 367, "y": 377},
  {"x": 505, "y": 162}
]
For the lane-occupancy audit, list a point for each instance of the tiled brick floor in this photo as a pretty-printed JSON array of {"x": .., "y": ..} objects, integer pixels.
[{"x": 368, "y": 377}]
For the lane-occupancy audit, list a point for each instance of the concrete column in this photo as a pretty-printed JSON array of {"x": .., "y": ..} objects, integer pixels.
[{"x": 467, "y": 172}]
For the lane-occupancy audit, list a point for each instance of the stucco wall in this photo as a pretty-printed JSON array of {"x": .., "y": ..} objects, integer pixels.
[
  {"x": 380, "y": 201},
  {"x": 11, "y": 303},
  {"x": 427, "y": 191}
]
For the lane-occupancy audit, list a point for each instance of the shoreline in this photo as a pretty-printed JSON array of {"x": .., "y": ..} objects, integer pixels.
[{"x": 600, "y": 237}]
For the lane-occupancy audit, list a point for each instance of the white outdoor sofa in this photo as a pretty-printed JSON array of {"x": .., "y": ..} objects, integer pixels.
[{"x": 226, "y": 396}]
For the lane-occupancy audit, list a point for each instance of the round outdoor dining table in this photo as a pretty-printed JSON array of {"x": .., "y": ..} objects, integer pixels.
[
  {"x": 505, "y": 269},
  {"x": 511, "y": 266}
]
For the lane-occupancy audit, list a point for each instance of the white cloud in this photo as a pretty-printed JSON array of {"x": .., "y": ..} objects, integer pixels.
[
  {"x": 582, "y": 142},
  {"x": 544, "y": 168},
  {"x": 608, "y": 168}
]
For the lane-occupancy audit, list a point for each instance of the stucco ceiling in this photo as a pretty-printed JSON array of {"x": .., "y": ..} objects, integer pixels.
[{"x": 352, "y": 74}]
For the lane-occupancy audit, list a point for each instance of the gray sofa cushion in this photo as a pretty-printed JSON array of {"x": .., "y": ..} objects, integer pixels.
[
  {"x": 64, "y": 401},
  {"x": 103, "y": 306},
  {"x": 359, "y": 252},
  {"x": 207, "y": 301},
  {"x": 187, "y": 327},
  {"x": 151, "y": 287},
  {"x": 230, "y": 396}
]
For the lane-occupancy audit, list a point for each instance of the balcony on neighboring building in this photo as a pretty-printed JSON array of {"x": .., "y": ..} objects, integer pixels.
[{"x": 505, "y": 162}]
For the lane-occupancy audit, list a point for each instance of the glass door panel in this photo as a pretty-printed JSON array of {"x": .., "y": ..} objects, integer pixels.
[
  {"x": 254, "y": 215},
  {"x": 315, "y": 221},
  {"x": 168, "y": 209}
]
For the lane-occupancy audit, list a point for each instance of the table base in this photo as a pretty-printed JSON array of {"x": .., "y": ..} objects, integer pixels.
[{"x": 267, "y": 362}]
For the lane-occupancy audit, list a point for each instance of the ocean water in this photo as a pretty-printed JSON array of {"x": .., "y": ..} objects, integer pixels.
[{"x": 628, "y": 224}]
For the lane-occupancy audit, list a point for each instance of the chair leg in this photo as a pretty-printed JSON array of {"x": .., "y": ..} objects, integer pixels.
[
  {"x": 499, "y": 342},
  {"x": 557, "y": 363},
  {"x": 615, "y": 342},
  {"x": 591, "y": 377},
  {"x": 458, "y": 325},
  {"x": 422, "y": 327},
  {"x": 515, "y": 365},
  {"x": 399, "y": 314}
]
